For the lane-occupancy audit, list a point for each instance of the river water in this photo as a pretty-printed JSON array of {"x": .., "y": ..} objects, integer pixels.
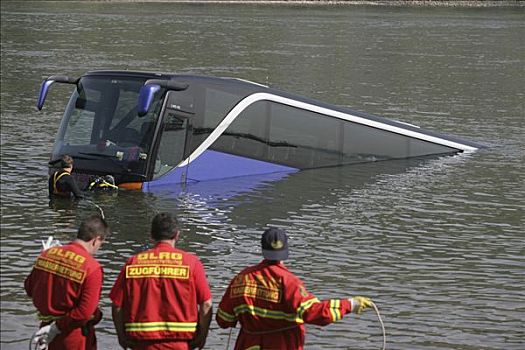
[{"x": 437, "y": 243}]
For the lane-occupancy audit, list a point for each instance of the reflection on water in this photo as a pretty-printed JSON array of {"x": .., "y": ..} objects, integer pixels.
[{"x": 437, "y": 243}]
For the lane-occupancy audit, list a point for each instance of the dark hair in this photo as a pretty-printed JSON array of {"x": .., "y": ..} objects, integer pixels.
[
  {"x": 92, "y": 227},
  {"x": 164, "y": 226},
  {"x": 66, "y": 161}
]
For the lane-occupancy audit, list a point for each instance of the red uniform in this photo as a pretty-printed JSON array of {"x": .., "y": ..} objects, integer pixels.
[
  {"x": 159, "y": 291},
  {"x": 272, "y": 307},
  {"x": 65, "y": 285}
]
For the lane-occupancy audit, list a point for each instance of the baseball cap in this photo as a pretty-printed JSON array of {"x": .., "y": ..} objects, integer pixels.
[{"x": 274, "y": 244}]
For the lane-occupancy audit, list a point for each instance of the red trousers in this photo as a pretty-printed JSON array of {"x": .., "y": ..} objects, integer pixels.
[
  {"x": 292, "y": 339},
  {"x": 162, "y": 345},
  {"x": 75, "y": 340}
]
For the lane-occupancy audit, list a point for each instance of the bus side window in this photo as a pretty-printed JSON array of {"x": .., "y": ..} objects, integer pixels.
[{"x": 172, "y": 143}]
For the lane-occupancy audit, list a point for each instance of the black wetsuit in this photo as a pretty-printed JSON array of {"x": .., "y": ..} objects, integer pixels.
[{"x": 62, "y": 184}]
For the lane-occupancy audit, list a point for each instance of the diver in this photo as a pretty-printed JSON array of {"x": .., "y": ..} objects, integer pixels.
[
  {"x": 102, "y": 183},
  {"x": 61, "y": 183}
]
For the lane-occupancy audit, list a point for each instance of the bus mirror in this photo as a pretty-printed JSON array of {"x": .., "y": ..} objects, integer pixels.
[
  {"x": 43, "y": 93},
  {"x": 150, "y": 88},
  {"x": 146, "y": 97},
  {"x": 44, "y": 88}
]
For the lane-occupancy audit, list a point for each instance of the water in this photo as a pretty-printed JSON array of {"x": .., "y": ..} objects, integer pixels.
[{"x": 437, "y": 243}]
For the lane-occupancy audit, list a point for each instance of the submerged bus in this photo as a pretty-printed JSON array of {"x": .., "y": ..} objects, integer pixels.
[{"x": 154, "y": 129}]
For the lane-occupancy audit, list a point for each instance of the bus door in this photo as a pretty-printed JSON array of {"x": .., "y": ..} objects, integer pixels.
[{"x": 174, "y": 139}]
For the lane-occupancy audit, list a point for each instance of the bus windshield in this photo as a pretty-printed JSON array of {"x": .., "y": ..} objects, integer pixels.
[{"x": 102, "y": 130}]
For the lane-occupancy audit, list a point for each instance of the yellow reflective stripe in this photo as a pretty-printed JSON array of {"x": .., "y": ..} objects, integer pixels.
[
  {"x": 55, "y": 180},
  {"x": 226, "y": 316},
  {"x": 48, "y": 318},
  {"x": 335, "y": 311},
  {"x": 107, "y": 184},
  {"x": 255, "y": 347},
  {"x": 305, "y": 306},
  {"x": 261, "y": 312},
  {"x": 275, "y": 314},
  {"x": 161, "y": 326}
]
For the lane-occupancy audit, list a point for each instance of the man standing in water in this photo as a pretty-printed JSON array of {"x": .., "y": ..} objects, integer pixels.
[
  {"x": 161, "y": 299},
  {"x": 272, "y": 304},
  {"x": 65, "y": 286},
  {"x": 61, "y": 183}
]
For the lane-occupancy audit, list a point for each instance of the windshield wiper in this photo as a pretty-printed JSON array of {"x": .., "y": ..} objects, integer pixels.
[{"x": 96, "y": 155}]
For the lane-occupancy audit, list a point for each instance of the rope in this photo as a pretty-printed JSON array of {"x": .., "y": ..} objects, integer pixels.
[
  {"x": 36, "y": 346},
  {"x": 382, "y": 324},
  {"x": 229, "y": 337},
  {"x": 99, "y": 208}
]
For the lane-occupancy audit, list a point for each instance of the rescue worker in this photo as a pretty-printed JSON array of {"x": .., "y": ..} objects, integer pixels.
[
  {"x": 65, "y": 286},
  {"x": 61, "y": 183},
  {"x": 272, "y": 305},
  {"x": 161, "y": 298}
]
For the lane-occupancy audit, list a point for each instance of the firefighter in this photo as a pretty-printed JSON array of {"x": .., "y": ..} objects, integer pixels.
[
  {"x": 65, "y": 286},
  {"x": 161, "y": 298},
  {"x": 61, "y": 183},
  {"x": 272, "y": 304}
]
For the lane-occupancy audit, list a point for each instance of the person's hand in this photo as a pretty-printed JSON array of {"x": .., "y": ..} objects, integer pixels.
[
  {"x": 46, "y": 334},
  {"x": 93, "y": 320},
  {"x": 96, "y": 317},
  {"x": 359, "y": 304}
]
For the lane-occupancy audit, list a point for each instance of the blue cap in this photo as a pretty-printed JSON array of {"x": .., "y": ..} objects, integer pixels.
[{"x": 274, "y": 244}]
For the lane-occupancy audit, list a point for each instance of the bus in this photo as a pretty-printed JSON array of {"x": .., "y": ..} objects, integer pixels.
[{"x": 151, "y": 129}]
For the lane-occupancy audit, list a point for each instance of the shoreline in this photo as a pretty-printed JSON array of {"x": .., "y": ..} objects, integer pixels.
[{"x": 390, "y": 3}]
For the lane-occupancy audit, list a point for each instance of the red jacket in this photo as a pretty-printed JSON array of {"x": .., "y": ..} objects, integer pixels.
[
  {"x": 65, "y": 286},
  {"x": 160, "y": 290},
  {"x": 272, "y": 307}
]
